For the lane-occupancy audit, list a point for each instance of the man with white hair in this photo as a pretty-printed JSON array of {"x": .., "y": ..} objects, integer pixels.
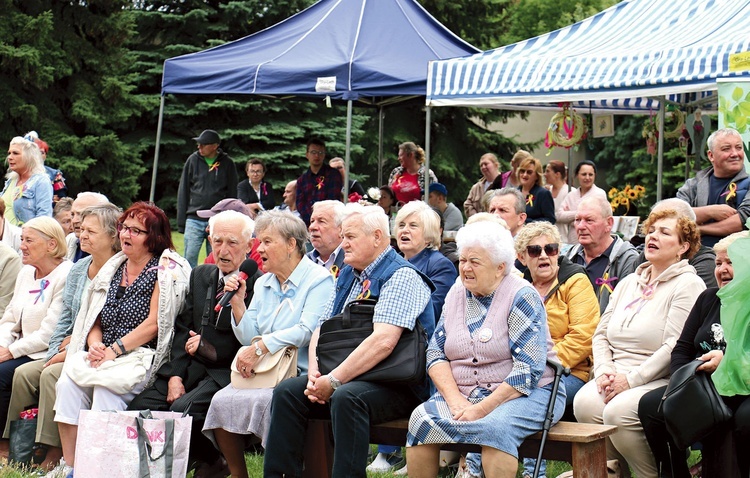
[
  {"x": 204, "y": 343},
  {"x": 704, "y": 261},
  {"x": 325, "y": 235},
  {"x": 718, "y": 194},
  {"x": 403, "y": 297},
  {"x": 82, "y": 201},
  {"x": 606, "y": 257}
]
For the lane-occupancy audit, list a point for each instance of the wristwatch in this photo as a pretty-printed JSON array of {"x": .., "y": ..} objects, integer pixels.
[
  {"x": 258, "y": 351},
  {"x": 335, "y": 383}
]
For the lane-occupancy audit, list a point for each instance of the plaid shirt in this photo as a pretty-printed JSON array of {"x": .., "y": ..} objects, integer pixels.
[
  {"x": 402, "y": 298},
  {"x": 311, "y": 188}
]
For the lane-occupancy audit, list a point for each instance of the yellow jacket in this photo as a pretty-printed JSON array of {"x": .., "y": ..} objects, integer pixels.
[{"x": 572, "y": 315}]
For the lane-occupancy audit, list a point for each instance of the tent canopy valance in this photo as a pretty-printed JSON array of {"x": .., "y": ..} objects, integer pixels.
[{"x": 618, "y": 60}]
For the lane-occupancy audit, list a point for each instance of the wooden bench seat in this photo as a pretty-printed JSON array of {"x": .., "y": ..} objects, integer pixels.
[{"x": 580, "y": 444}]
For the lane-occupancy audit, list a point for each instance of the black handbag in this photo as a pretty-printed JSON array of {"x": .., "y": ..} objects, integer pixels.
[
  {"x": 691, "y": 405},
  {"x": 343, "y": 333}
]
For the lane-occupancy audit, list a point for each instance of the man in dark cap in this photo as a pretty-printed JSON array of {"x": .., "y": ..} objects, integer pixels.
[{"x": 209, "y": 175}]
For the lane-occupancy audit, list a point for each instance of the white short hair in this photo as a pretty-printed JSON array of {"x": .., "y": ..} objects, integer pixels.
[
  {"x": 248, "y": 225},
  {"x": 373, "y": 217},
  {"x": 337, "y": 207},
  {"x": 492, "y": 238}
]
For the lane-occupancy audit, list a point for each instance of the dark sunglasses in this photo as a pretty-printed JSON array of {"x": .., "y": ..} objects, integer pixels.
[{"x": 549, "y": 249}]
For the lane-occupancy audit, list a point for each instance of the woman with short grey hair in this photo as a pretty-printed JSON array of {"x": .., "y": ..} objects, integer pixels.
[
  {"x": 487, "y": 359},
  {"x": 287, "y": 225}
]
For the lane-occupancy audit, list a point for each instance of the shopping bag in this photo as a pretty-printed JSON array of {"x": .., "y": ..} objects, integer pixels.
[
  {"x": 22, "y": 439},
  {"x": 142, "y": 444},
  {"x": 732, "y": 376}
]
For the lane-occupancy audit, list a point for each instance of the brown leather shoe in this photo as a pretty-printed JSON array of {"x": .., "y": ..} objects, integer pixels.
[{"x": 218, "y": 469}]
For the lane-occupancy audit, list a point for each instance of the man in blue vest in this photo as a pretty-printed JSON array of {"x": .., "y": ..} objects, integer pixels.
[
  {"x": 373, "y": 269},
  {"x": 718, "y": 194}
]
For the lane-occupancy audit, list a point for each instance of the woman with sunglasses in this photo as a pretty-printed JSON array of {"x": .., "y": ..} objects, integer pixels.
[
  {"x": 27, "y": 192},
  {"x": 636, "y": 334},
  {"x": 132, "y": 305},
  {"x": 570, "y": 302}
]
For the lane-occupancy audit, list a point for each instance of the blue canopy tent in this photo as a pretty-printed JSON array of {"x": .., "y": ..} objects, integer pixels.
[
  {"x": 631, "y": 58},
  {"x": 374, "y": 52}
]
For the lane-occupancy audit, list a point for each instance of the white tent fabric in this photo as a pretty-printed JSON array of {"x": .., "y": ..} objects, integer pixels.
[{"x": 619, "y": 60}]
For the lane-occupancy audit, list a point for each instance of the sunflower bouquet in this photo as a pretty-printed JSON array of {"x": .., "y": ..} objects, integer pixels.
[{"x": 623, "y": 199}]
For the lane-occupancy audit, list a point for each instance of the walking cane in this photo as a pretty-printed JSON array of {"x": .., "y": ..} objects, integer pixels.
[{"x": 559, "y": 372}]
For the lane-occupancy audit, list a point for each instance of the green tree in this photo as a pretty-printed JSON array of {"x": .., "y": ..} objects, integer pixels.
[{"x": 63, "y": 74}]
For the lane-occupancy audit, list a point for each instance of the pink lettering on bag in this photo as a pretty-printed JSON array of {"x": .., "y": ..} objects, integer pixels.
[
  {"x": 131, "y": 433},
  {"x": 156, "y": 436}
]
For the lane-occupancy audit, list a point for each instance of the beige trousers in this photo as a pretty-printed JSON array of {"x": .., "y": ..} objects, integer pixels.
[
  {"x": 32, "y": 384},
  {"x": 629, "y": 444}
]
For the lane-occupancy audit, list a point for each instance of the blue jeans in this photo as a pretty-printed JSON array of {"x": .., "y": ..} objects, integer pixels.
[
  {"x": 572, "y": 385},
  {"x": 195, "y": 234},
  {"x": 352, "y": 408}
]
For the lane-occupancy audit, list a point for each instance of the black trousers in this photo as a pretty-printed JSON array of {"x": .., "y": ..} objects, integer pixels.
[
  {"x": 197, "y": 399},
  {"x": 670, "y": 460},
  {"x": 724, "y": 452},
  {"x": 352, "y": 408}
]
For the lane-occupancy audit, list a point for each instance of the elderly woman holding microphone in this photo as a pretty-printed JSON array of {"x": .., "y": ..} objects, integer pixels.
[{"x": 487, "y": 359}]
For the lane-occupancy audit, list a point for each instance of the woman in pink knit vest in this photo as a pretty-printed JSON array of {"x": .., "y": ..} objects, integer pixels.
[{"x": 487, "y": 359}]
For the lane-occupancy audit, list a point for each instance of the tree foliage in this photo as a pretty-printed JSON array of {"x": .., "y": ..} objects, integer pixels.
[{"x": 63, "y": 74}]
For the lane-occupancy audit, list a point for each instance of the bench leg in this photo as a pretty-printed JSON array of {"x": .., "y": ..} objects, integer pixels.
[
  {"x": 589, "y": 460},
  {"x": 318, "y": 450}
]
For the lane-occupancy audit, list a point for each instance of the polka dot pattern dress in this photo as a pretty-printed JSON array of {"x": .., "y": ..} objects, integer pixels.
[{"x": 120, "y": 316}]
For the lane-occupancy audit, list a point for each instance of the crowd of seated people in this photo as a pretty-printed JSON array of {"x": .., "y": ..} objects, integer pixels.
[{"x": 536, "y": 274}]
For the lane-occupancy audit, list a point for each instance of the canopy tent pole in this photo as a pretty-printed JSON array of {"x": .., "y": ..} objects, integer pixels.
[
  {"x": 660, "y": 161},
  {"x": 428, "y": 120},
  {"x": 156, "y": 150},
  {"x": 348, "y": 149},
  {"x": 381, "y": 130}
]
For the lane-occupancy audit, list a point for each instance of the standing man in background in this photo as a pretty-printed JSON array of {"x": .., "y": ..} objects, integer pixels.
[
  {"x": 319, "y": 182},
  {"x": 209, "y": 175}
]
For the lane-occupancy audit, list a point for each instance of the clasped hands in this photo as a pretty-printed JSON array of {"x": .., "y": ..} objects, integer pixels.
[
  {"x": 318, "y": 389},
  {"x": 464, "y": 411},
  {"x": 611, "y": 384},
  {"x": 99, "y": 353}
]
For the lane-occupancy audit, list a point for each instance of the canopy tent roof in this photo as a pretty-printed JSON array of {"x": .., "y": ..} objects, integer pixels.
[
  {"x": 366, "y": 50},
  {"x": 618, "y": 60}
]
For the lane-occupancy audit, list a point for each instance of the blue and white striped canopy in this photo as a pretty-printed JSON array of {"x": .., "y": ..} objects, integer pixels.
[{"x": 618, "y": 60}]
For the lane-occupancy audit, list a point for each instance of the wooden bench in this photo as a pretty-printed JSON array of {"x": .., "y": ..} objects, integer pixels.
[{"x": 580, "y": 444}]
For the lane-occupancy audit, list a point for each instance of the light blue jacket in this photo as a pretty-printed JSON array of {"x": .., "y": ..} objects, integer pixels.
[
  {"x": 35, "y": 200},
  {"x": 71, "y": 304},
  {"x": 287, "y": 318}
]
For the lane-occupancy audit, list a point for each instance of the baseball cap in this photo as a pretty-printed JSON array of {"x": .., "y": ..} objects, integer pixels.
[
  {"x": 208, "y": 136},
  {"x": 439, "y": 188},
  {"x": 229, "y": 204}
]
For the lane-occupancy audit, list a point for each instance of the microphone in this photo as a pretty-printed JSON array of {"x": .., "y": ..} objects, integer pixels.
[{"x": 248, "y": 268}]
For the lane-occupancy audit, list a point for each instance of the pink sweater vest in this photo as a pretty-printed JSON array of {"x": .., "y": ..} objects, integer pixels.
[{"x": 484, "y": 364}]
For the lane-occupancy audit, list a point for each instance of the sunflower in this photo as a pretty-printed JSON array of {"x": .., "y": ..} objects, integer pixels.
[
  {"x": 640, "y": 189},
  {"x": 611, "y": 193},
  {"x": 632, "y": 194}
]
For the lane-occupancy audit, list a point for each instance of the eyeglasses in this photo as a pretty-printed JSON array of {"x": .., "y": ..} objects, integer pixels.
[
  {"x": 317, "y": 153},
  {"x": 549, "y": 249},
  {"x": 260, "y": 171},
  {"x": 133, "y": 231}
]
